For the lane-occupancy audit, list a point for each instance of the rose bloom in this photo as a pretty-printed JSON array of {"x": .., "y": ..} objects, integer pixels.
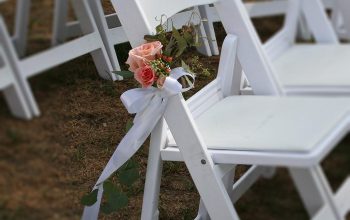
[
  {"x": 140, "y": 56},
  {"x": 145, "y": 76}
]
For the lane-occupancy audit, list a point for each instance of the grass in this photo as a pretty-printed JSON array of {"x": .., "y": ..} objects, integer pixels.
[{"x": 48, "y": 163}]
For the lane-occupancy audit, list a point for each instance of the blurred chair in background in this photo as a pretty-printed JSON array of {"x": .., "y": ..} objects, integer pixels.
[
  {"x": 90, "y": 42},
  {"x": 14, "y": 95},
  {"x": 110, "y": 28},
  {"x": 341, "y": 18}
]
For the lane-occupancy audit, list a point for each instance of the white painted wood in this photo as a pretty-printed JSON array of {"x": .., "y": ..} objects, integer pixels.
[
  {"x": 90, "y": 42},
  {"x": 318, "y": 22},
  {"x": 198, "y": 161},
  {"x": 59, "y": 22},
  {"x": 225, "y": 129},
  {"x": 12, "y": 92},
  {"x": 314, "y": 191},
  {"x": 244, "y": 183},
  {"x": 154, "y": 173},
  {"x": 342, "y": 198},
  {"x": 227, "y": 173},
  {"x": 344, "y": 7},
  {"x": 21, "y": 26},
  {"x": 13, "y": 60}
]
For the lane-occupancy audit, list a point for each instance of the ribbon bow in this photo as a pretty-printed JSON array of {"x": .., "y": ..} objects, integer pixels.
[{"x": 149, "y": 105}]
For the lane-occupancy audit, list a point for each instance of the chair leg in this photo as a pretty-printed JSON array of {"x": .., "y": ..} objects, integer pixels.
[
  {"x": 100, "y": 19},
  {"x": 204, "y": 47},
  {"x": 227, "y": 171},
  {"x": 16, "y": 102},
  {"x": 314, "y": 190},
  {"x": 154, "y": 173},
  {"x": 21, "y": 26},
  {"x": 88, "y": 26},
  {"x": 209, "y": 29},
  {"x": 303, "y": 32},
  {"x": 59, "y": 22},
  {"x": 13, "y": 62}
]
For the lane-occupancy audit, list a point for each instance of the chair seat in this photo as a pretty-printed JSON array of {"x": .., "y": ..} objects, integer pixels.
[
  {"x": 314, "y": 66},
  {"x": 263, "y": 123}
]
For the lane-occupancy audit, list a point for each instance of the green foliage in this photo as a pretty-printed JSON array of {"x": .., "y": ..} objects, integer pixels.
[
  {"x": 128, "y": 125},
  {"x": 129, "y": 173},
  {"x": 177, "y": 42},
  {"x": 115, "y": 199},
  {"x": 89, "y": 199},
  {"x": 124, "y": 73}
]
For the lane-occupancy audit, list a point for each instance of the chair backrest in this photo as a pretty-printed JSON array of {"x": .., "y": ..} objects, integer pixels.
[
  {"x": 343, "y": 7},
  {"x": 139, "y": 18},
  {"x": 314, "y": 12}
]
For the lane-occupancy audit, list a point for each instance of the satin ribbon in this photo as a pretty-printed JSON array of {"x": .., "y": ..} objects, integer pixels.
[{"x": 149, "y": 105}]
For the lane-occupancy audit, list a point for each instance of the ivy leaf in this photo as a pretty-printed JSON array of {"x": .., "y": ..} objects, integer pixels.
[
  {"x": 129, "y": 173},
  {"x": 181, "y": 42},
  {"x": 89, "y": 199},
  {"x": 125, "y": 74},
  {"x": 185, "y": 66},
  {"x": 151, "y": 38},
  {"x": 115, "y": 199},
  {"x": 169, "y": 47},
  {"x": 129, "y": 124},
  {"x": 189, "y": 38},
  {"x": 160, "y": 29}
]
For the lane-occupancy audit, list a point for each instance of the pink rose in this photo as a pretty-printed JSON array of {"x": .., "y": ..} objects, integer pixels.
[
  {"x": 145, "y": 75},
  {"x": 140, "y": 56}
]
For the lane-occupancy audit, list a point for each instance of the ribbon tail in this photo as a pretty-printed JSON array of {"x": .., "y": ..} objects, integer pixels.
[
  {"x": 125, "y": 150},
  {"x": 91, "y": 212}
]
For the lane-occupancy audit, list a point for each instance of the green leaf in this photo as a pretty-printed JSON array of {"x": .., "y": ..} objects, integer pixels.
[
  {"x": 189, "y": 38},
  {"x": 89, "y": 199},
  {"x": 125, "y": 74},
  {"x": 128, "y": 177},
  {"x": 129, "y": 173},
  {"x": 115, "y": 199},
  {"x": 151, "y": 38},
  {"x": 160, "y": 29},
  {"x": 128, "y": 125},
  {"x": 181, "y": 42},
  {"x": 169, "y": 47},
  {"x": 185, "y": 66},
  {"x": 114, "y": 203}
]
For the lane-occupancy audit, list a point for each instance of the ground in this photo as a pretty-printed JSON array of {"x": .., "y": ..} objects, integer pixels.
[{"x": 48, "y": 163}]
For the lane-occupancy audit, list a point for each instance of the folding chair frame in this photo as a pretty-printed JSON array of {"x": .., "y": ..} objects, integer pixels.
[{"x": 91, "y": 42}]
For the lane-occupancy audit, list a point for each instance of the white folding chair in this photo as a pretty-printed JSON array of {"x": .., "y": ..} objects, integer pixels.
[
  {"x": 110, "y": 28},
  {"x": 319, "y": 68},
  {"x": 20, "y": 33},
  {"x": 341, "y": 18},
  {"x": 12, "y": 92},
  {"x": 91, "y": 42},
  {"x": 213, "y": 130},
  {"x": 273, "y": 8}
]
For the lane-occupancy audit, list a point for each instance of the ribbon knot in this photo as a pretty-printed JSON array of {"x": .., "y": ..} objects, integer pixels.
[{"x": 149, "y": 105}]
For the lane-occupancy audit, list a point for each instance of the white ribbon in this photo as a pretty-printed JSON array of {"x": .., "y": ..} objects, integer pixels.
[{"x": 149, "y": 105}]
